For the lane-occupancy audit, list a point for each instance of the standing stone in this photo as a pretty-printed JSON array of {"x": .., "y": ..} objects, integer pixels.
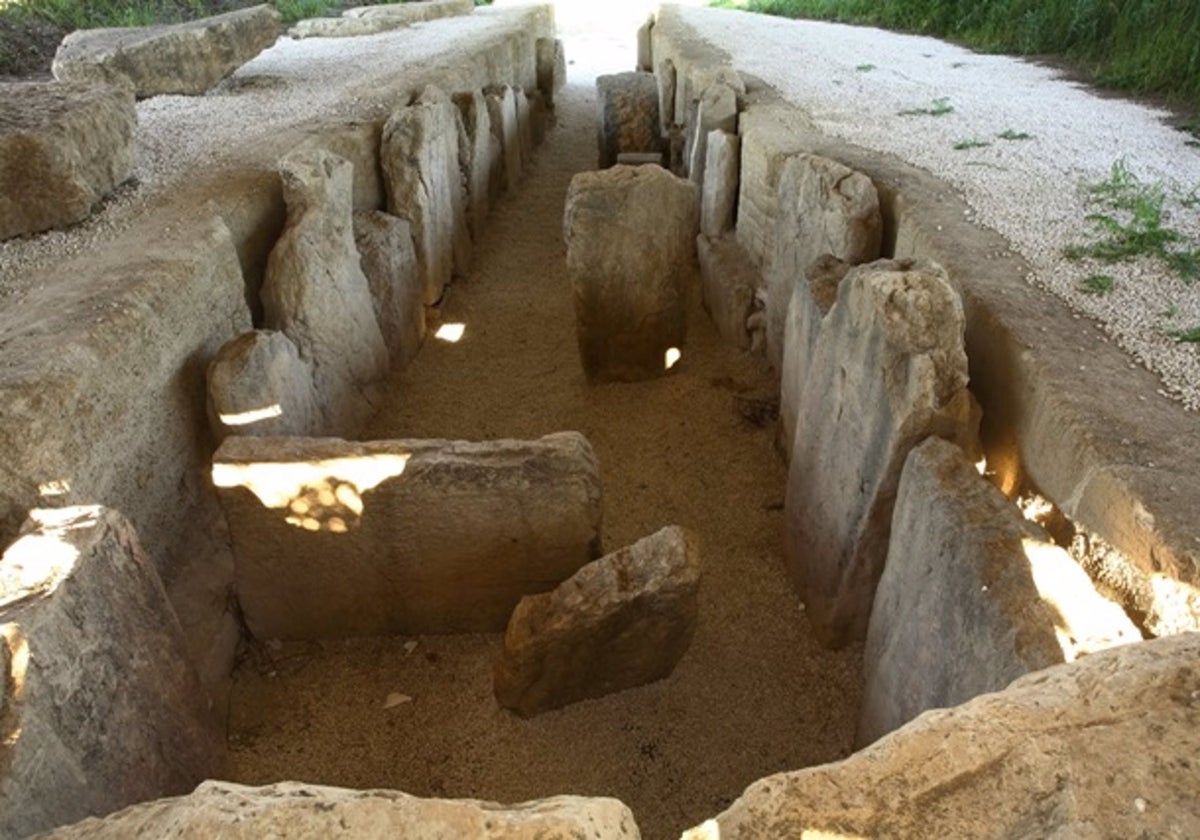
[
  {"x": 551, "y": 68},
  {"x": 888, "y": 371},
  {"x": 419, "y": 153},
  {"x": 315, "y": 291},
  {"x": 630, "y": 235},
  {"x": 645, "y": 55},
  {"x": 627, "y": 115},
  {"x": 623, "y": 621},
  {"x": 524, "y": 126},
  {"x": 502, "y": 111},
  {"x": 719, "y": 196},
  {"x": 389, "y": 261},
  {"x": 259, "y": 385},
  {"x": 717, "y": 111},
  {"x": 665, "y": 79},
  {"x": 972, "y": 597},
  {"x": 728, "y": 282},
  {"x": 100, "y": 706},
  {"x": 63, "y": 147},
  {"x": 824, "y": 208}
]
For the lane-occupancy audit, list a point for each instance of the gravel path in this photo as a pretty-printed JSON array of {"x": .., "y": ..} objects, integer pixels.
[{"x": 855, "y": 81}]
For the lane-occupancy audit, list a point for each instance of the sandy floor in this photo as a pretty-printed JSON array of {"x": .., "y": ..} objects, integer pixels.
[{"x": 754, "y": 695}]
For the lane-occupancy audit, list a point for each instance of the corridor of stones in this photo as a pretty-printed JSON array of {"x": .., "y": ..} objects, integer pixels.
[{"x": 753, "y": 695}]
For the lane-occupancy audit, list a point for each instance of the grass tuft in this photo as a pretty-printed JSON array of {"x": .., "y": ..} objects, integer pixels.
[
  {"x": 971, "y": 143},
  {"x": 1191, "y": 335},
  {"x": 1098, "y": 284},
  {"x": 865, "y": 68},
  {"x": 1009, "y": 134},
  {"x": 937, "y": 108}
]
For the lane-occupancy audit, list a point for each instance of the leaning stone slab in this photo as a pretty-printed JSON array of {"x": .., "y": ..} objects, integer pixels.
[
  {"x": 315, "y": 291},
  {"x": 183, "y": 58},
  {"x": 1102, "y": 747},
  {"x": 292, "y": 809},
  {"x": 63, "y": 147},
  {"x": 718, "y": 199},
  {"x": 479, "y": 155},
  {"x": 972, "y": 597},
  {"x": 338, "y": 539},
  {"x": 389, "y": 262},
  {"x": 627, "y": 115},
  {"x": 717, "y": 110},
  {"x": 259, "y": 385},
  {"x": 100, "y": 708},
  {"x": 728, "y": 280},
  {"x": 889, "y": 369},
  {"x": 623, "y": 621},
  {"x": 630, "y": 233}
]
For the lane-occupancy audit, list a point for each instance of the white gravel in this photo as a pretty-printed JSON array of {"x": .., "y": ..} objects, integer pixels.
[{"x": 1028, "y": 190}]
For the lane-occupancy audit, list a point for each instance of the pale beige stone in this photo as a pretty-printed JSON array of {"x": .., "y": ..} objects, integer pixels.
[
  {"x": 728, "y": 281},
  {"x": 720, "y": 183},
  {"x": 479, "y": 154},
  {"x": 259, "y": 385},
  {"x": 717, "y": 110},
  {"x": 502, "y": 111},
  {"x": 389, "y": 261}
]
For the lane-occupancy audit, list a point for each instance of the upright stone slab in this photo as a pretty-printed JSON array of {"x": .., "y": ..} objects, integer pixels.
[
  {"x": 183, "y": 58},
  {"x": 389, "y": 261},
  {"x": 630, "y": 235},
  {"x": 718, "y": 199},
  {"x": 100, "y": 706},
  {"x": 666, "y": 80},
  {"x": 478, "y": 157},
  {"x": 551, "y": 67},
  {"x": 259, "y": 385},
  {"x": 63, "y": 147},
  {"x": 824, "y": 208},
  {"x": 623, "y": 621},
  {"x": 645, "y": 55},
  {"x": 524, "y": 126},
  {"x": 502, "y": 111},
  {"x": 728, "y": 281},
  {"x": 972, "y": 597},
  {"x": 888, "y": 371},
  {"x": 340, "y": 539},
  {"x": 419, "y": 153},
  {"x": 716, "y": 111},
  {"x": 315, "y": 291},
  {"x": 627, "y": 115}
]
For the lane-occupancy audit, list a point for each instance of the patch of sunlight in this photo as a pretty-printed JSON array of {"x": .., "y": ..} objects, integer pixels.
[
  {"x": 452, "y": 333},
  {"x": 672, "y": 357},
  {"x": 1176, "y": 603},
  {"x": 60, "y": 487},
  {"x": 38, "y": 563},
  {"x": 17, "y": 656},
  {"x": 255, "y": 415}
]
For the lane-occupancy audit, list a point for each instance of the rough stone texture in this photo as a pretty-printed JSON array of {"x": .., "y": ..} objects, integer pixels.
[
  {"x": 624, "y": 620},
  {"x": 627, "y": 115},
  {"x": 728, "y": 280},
  {"x": 420, "y": 164},
  {"x": 810, "y": 302},
  {"x": 371, "y": 20},
  {"x": 339, "y": 539},
  {"x": 766, "y": 146},
  {"x": 1103, "y": 747},
  {"x": 259, "y": 385},
  {"x": 479, "y": 156},
  {"x": 315, "y": 291},
  {"x": 357, "y": 142},
  {"x": 524, "y": 126},
  {"x": 389, "y": 262},
  {"x": 183, "y": 58},
  {"x": 716, "y": 111},
  {"x": 630, "y": 234},
  {"x": 665, "y": 79},
  {"x": 539, "y": 117},
  {"x": 972, "y": 597},
  {"x": 551, "y": 67},
  {"x": 888, "y": 370},
  {"x": 645, "y": 58},
  {"x": 718, "y": 199},
  {"x": 502, "y": 111},
  {"x": 824, "y": 208},
  {"x": 100, "y": 708},
  {"x": 292, "y": 809},
  {"x": 63, "y": 147}
]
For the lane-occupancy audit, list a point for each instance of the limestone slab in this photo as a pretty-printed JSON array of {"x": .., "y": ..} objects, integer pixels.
[
  {"x": 627, "y": 117},
  {"x": 502, "y": 111},
  {"x": 718, "y": 199},
  {"x": 338, "y": 539},
  {"x": 728, "y": 281},
  {"x": 259, "y": 385},
  {"x": 478, "y": 157},
  {"x": 389, "y": 261},
  {"x": 717, "y": 110},
  {"x": 551, "y": 67}
]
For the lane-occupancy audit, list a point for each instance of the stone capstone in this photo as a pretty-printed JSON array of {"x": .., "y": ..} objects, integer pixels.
[
  {"x": 315, "y": 291},
  {"x": 340, "y": 539},
  {"x": 622, "y": 621},
  {"x": 630, "y": 234},
  {"x": 627, "y": 115},
  {"x": 972, "y": 596},
  {"x": 100, "y": 707},
  {"x": 1102, "y": 747},
  {"x": 291, "y": 809},
  {"x": 389, "y": 261},
  {"x": 718, "y": 199},
  {"x": 63, "y": 147},
  {"x": 259, "y": 385},
  {"x": 728, "y": 281},
  {"x": 888, "y": 370},
  {"x": 183, "y": 58}
]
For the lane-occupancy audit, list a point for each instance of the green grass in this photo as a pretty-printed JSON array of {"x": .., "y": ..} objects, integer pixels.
[
  {"x": 937, "y": 108},
  {"x": 1009, "y": 134},
  {"x": 865, "y": 68},
  {"x": 1098, "y": 284},
  {"x": 1191, "y": 335},
  {"x": 971, "y": 143}
]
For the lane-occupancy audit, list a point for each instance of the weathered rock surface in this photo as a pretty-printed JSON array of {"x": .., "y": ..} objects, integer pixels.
[
  {"x": 389, "y": 261},
  {"x": 335, "y": 538},
  {"x": 718, "y": 199},
  {"x": 479, "y": 158},
  {"x": 665, "y": 79},
  {"x": 972, "y": 597},
  {"x": 630, "y": 234},
  {"x": 824, "y": 208},
  {"x": 182, "y": 58},
  {"x": 645, "y": 56},
  {"x": 524, "y": 125},
  {"x": 627, "y": 115},
  {"x": 292, "y": 809},
  {"x": 371, "y": 20},
  {"x": 716, "y": 111},
  {"x": 259, "y": 385},
  {"x": 551, "y": 67},
  {"x": 420, "y": 164},
  {"x": 728, "y": 280},
  {"x": 315, "y": 291},
  {"x": 1103, "y": 747},
  {"x": 502, "y": 111},
  {"x": 888, "y": 371},
  {"x": 100, "y": 709},
  {"x": 622, "y": 621},
  {"x": 357, "y": 142},
  {"x": 63, "y": 147}
]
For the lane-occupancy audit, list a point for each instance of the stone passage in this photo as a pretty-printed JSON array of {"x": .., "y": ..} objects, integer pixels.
[
  {"x": 338, "y": 539},
  {"x": 630, "y": 235}
]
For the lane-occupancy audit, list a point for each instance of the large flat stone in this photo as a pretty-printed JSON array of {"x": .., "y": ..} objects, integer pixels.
[
  {"x": 722, "y": 171},
  {"x": 389, "y": 262},
  {"x": 627, "y": 115},
  {"x": 63, "y": 147},
  {"x": 338, "y": 539},
  {"x": 100, "y": 706},
  {"x": 717, "y": 110},
  {"x": 183, "y": 58},
  {"x": 259, "y": 385},
  {"x": 728, "y": 280},
  {"x": 502, "y": 112},
  {"x": 479, "y": 157}
]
